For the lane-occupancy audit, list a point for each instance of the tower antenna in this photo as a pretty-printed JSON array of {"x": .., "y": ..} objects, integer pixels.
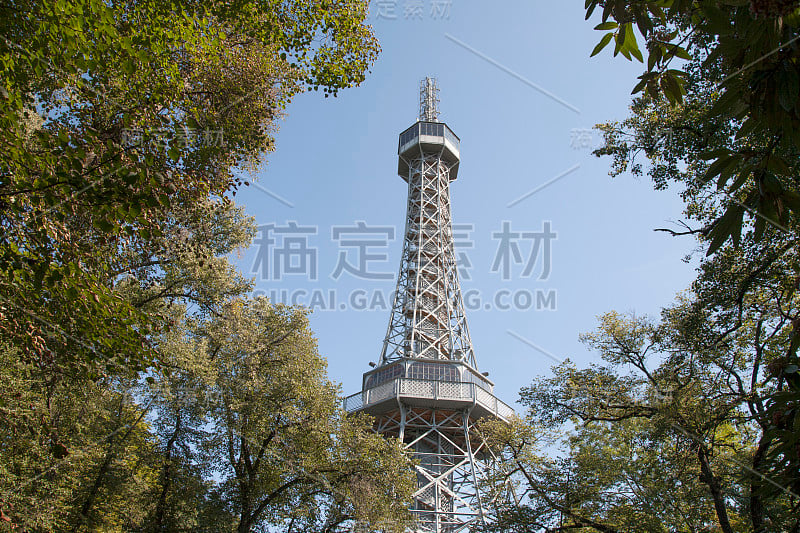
[{"x": 429, "y": 100}]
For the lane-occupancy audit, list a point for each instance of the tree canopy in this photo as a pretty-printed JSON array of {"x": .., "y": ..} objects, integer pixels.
[
  {"x": 142, "y": 390},
  {"x": 743, "y": 55},
  {"x": 729, "y": 139},
  {"x": 690, "y": 423},
  {"x": 119, "y": 118}
]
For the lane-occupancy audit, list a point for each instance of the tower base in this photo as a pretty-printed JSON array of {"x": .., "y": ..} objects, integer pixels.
[{"x": 452, "y": 460}]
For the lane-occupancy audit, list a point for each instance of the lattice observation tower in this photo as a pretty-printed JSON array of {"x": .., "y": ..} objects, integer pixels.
[{"x": 426, "y": 389}]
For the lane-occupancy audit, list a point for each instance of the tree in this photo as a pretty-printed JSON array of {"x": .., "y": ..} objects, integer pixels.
[
  {"x": 114, "y": 116},
  {"x": 68, "y": 449},
  {"x": 622, "y": 476},
  {"x": 237, "y": 429},
  {"x": 124, "y": 129},
  {"x": 69, "y": 424},
  {"x": 287, "y": 453},
  {"x": 671, "y": 434},
  {"x": 746, "y": 56},
  {"x": 719, "y": 117}
]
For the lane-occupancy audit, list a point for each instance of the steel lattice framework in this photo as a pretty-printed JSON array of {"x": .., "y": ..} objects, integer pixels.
[
  {"x": 428, "y": 319},
  {"x": 427, "y": 390}
]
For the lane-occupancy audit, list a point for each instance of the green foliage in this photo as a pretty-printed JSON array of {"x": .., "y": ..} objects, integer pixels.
[
  {"x": 730, "y": 143},
  {"x": 238, "y": 429},
  {"x": 671, "y": 433},
  {"x": 746, "y": 57},
  {"x": 287, "y": 454},
  {"x": 124, "y": 128},
  {"x": 115, "y": 116},
  {"x": 59, "y": 437}
]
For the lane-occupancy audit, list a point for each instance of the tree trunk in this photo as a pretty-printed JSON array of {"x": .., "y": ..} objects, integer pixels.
[
  {"x": 756, "y": 485},
  {"x": 111, "y": 454},
  {"x": 98, "y": 481},
  {"x": 246, "y": 510},
  {"x": 166, "y": 476},
  {"x": 708, "y": 478}
]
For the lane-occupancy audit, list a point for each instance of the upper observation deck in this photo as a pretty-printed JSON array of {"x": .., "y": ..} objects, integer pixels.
[{"x": 428, "y": 138}]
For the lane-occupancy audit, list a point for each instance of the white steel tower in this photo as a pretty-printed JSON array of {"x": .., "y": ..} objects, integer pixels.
[{"x": 427, "y": 390}]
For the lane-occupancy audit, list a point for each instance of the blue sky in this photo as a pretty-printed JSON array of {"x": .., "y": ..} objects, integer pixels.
[{"x": 519, "y": 89}]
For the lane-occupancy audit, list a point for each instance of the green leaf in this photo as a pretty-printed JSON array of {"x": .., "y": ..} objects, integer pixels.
[
  {"x": 654, "y": 57},
  {"x": 777, "y": 165},
  {"x": 644, "y": 23},
  {"x": 128, "y": 67},
  {"x": 788, "y": 89},
  {"x": 103, "y": 225},
  {"x": 748, "y": 127},
  {"x": 718, "y": 166},
  {"x": 682, "y": 53},
  {"x": 591, "y": 5},
  {"x": 726, "y": 103},
  {"x": 714, "y": 154},
  {"x": 672, "y": 88},
  {"x": 717, "y": 20},
  {"x": 730, "y": 224},
  {"x": 727, "y": 171},
  {"x": 602, "y": 44},
  {"x": 607, "y": 26},
  {"x": 619, "y": 39},
  {"x": 739, "y": 181},
  {"x": 792, "y": 201}
]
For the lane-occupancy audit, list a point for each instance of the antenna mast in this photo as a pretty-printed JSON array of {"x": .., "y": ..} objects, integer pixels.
[{"x": 429, "y": 100}]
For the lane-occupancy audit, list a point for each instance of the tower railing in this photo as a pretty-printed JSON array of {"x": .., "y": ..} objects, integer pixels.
[{"x": 409, "y": 389}]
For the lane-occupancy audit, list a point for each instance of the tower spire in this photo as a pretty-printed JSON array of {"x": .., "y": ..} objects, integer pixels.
[
  {"x": 427, "y": 391},
  {"x": 429, "y": 100}
]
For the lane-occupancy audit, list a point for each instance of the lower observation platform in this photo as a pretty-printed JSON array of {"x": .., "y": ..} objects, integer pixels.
[{"x": 428, "y": 393}]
